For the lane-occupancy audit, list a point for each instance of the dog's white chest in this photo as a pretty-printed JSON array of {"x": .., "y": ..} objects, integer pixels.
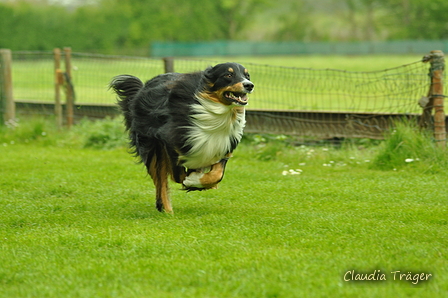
[{"x": 215, "y": 126}]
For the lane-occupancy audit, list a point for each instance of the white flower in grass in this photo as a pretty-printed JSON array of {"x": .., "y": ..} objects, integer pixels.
[
  {"x": 409, "y": 160},
  {"x": 292, "y": 172}
]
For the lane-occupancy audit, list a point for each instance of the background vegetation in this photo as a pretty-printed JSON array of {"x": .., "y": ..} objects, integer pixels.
[{"x": 117, "y": 26}]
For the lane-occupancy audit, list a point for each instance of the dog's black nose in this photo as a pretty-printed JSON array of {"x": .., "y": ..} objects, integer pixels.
[{"x": 249, "y": 86}]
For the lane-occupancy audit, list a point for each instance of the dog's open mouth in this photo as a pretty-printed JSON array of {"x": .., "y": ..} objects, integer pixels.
[{"x": 236, "y": 97}]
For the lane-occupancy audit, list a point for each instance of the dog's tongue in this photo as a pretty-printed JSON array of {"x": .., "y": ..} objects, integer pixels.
[
  {"x": 243, "y": 99},
  {"x": 240, "y": 98}
]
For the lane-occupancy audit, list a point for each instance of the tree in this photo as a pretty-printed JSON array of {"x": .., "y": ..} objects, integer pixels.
[
  {"x": 238, "y": 14},
  {"x": 110, "y": 26}
]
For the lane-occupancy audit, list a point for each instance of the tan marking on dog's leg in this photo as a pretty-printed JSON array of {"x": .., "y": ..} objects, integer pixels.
[
  {"x": 212, "y": 178},
  {"x": 165, "y": 172},
  {"x": 159, "y": 173}
]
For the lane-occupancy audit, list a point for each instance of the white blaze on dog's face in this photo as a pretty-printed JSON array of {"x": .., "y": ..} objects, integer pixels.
[{"x": 229, "y": 83}]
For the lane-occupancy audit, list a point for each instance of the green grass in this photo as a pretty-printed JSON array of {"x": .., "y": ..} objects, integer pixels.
[
  {"x": 277, "y": 88},
  {"x": 80, "y": 222}
]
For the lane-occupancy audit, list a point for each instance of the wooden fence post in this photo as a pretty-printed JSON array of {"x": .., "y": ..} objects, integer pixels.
[
  {"x": 437, "y": 68},
  {"x": 436, "y": 97},
  {"x": 58, "y": 81},
  {"x": 7, "y": 103},
  {"x": 70, "y": 103},
  {"x": 169, "y": 64}
]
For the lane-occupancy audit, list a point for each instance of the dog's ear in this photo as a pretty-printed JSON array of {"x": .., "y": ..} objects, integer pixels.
[{"x": 208, "y": 73}]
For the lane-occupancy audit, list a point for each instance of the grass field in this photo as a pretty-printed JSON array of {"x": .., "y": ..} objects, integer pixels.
[
  {"x": 287, "y": 221},
  {"x": 277, "y": 88}
]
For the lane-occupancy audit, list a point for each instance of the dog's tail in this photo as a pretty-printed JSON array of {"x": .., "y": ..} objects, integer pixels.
[{"x": 126, "y": 87}]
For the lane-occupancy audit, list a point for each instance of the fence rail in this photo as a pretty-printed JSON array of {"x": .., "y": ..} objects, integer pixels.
[{"x": 299, "y": 101}]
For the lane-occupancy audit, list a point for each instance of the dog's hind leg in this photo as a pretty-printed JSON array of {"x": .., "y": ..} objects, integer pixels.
[{"x": 159, "y": 169}]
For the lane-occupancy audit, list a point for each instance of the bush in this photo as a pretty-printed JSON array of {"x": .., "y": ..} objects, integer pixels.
[
  {"x": 103, "y": 134},
  {"x": 36, "y": 129},
  {"x": 405, "y": 146},
  {"x": 100, "y": 134}
]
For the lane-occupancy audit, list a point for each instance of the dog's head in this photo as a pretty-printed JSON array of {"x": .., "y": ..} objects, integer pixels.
[{"x": 228, "y": 83}]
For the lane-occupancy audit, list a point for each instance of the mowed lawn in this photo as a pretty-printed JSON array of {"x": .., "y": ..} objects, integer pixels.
[{"x": 82, "y": 223}]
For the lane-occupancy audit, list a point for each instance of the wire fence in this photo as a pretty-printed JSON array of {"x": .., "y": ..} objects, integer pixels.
[{"x": 297, "y": 91}]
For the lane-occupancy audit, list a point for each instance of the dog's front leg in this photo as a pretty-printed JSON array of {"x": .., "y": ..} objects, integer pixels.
[{"x": 199, "y": 180}]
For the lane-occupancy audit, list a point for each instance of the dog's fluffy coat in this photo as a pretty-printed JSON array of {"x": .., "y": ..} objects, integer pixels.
[{"x": 185, "y": 125}]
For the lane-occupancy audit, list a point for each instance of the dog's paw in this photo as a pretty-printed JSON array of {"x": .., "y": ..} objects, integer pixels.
[{"x": 193, "y": 181}]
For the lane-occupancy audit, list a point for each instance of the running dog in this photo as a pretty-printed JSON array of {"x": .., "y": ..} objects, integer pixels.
[{"x": 185, "y": 125}]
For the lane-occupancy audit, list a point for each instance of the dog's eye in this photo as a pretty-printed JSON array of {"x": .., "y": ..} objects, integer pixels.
[
  {"x": 247, "y": 76},
  {"x": 228, "y": 76}
]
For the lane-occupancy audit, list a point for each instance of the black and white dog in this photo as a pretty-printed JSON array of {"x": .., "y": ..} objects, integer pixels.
[{"x": 185, "y": 125}]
